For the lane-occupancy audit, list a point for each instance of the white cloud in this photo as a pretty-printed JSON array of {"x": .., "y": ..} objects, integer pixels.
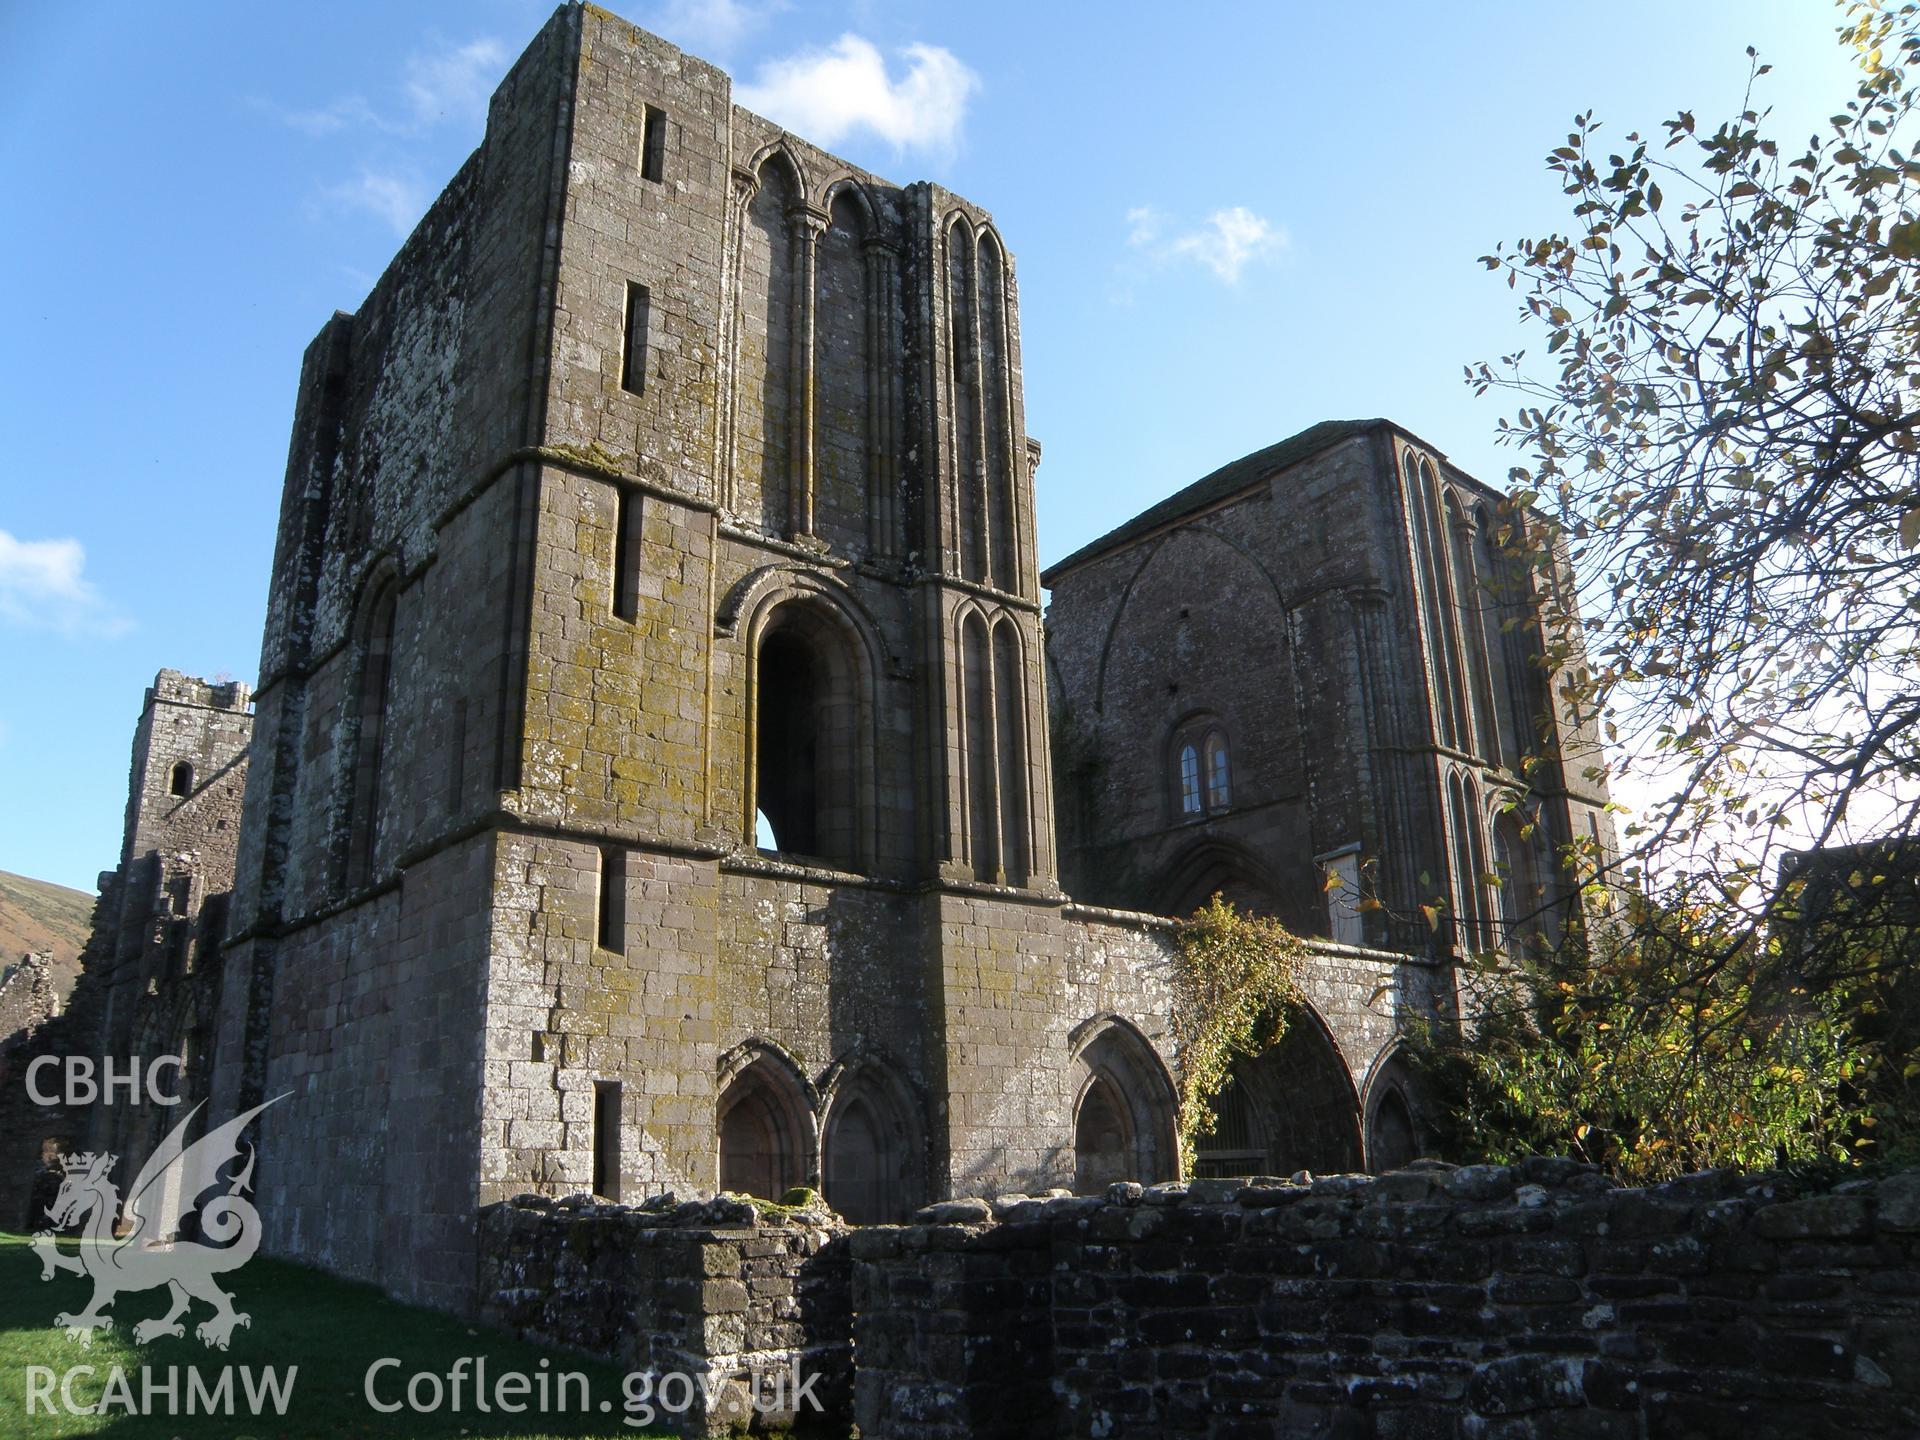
[
  {"x": 450, "y": 83},
  {"x": 397, "y": 199},
  {"x": 454, "y": 83},
  {"x": 709, "y": 28},
  {"x": 1226, "y": 243},
  {"x": 43, "y": 586},
  {"x": 827, "y": 95}
]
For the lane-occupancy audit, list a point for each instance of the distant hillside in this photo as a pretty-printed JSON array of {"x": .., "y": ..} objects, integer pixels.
[{"x": 36, "y": 915}]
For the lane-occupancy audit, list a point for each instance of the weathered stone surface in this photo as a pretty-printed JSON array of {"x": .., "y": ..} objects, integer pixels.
[{"x": 1368, "y": 1314}]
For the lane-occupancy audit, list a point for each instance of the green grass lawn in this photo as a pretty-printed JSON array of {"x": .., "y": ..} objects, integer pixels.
[{"x": 330, "y": 1329}]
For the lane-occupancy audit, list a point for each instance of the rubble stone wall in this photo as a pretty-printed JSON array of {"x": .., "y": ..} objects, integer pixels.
[
  {"x": 1433, "y": 1301},
  {"x": 712, "y": 1290}
]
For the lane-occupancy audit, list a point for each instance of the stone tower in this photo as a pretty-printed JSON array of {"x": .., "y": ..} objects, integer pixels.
[
  {"x": 151, "y": 970},
  {"x": 650, "y": 787}
]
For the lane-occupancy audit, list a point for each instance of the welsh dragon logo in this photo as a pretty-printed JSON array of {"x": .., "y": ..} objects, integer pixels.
[{"x": 173, "y": 1179}]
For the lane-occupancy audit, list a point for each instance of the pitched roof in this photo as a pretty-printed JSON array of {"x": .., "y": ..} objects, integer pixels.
[{"x": 1228, "y": 480}]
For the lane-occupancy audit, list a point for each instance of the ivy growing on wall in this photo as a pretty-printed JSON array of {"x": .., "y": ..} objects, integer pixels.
[{"x": 1236, "y": 981}]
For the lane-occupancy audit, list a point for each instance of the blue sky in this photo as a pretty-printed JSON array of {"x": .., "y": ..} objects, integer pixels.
[{"x": 1229, "y": 220}]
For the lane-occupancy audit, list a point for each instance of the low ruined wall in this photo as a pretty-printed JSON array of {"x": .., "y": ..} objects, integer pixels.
[
  {"x": 712, "y": 1290},
  {"x": 1480, "y": 1302}
]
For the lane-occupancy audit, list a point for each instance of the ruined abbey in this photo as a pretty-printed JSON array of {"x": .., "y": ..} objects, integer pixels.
[{"x": 664, "y": 772}]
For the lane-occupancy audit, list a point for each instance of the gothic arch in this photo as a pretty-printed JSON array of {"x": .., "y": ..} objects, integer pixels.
[
  {"x": 1394, "y": 1131},
  {"x": 1469, "y": 600},
  {"x": 1302, "y": 1111},
  {"x": 779, "y": 153},
  {"x": 370, "y": 719},
  {"x": 766, "y": 341},
  {"x": 1153, "y": 553},
  {"x": 811, "y": 702},
  {"x": 873, "y": 1156},
  {"x": 1125, "y": 1106},
  {"x": 1220, "y": 865},
  {"x": 764, "y": 1122},
  {"x": 1006, "y": 546},
  {"x": 851, "y": 187}
]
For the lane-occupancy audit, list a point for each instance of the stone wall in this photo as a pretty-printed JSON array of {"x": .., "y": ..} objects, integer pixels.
[
  {"x": 1476, "y": 1302},
  {"x": 708, "y": 1289}
]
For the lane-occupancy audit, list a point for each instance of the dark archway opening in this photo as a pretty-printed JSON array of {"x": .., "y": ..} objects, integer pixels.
[
  {"x": 791, "y": 701},
  {"x": 1393, "y": 1141},
  {"x": 1300, "y": 1112},
  {"x": 1102, "y": 1139}
]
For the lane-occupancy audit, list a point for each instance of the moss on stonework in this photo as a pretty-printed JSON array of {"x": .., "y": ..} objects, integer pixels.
[{"x": 798, "y": 1201}]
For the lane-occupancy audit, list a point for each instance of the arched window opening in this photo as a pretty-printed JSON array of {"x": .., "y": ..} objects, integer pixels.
[
  {"x": 1497, "y": 602},
  {"x": 1526, "y": 909},
  {"x": 1190, "y": 803},
  {"x": 1472, "y": 927},
  {"x": 1002, "y": 507},
  {"x": 763, "y": 1133},
  {"x": 1469, "y": 598},
  {"x": 181, "y": 782},
  {"x": 1010, "y": 743},
  {"x": 1219, "y": 777},
  {"x": 871, "y": 1161},
  {"x": 1123, "y": 1124},
  {"x": 1392, "y": 1141},
  {"x": 1202, "y": 769},
  {"x": 806, "y": 740},
  {"x": 983, "y": 824},
  {"x": 765, "y": 370},
  {"x": 373, "y": 701}
]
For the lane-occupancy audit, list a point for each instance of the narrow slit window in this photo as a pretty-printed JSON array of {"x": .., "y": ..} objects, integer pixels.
[
  {"x": 613, "y": 900},
  {"x": 626, "y": 555},
  {"x": 633, "y": 361},
  {"x": 1189, "y": 780},
  {"x": 606, "y": 1138},
  {"x": 653, "y": 144}
]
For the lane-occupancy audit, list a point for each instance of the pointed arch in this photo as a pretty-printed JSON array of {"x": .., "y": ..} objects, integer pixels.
[
  {"x": 370, "y": 721},
  {"x": 1468, "y": 861},
  {"x": 845, "y": 371},
  {"x": 1015, "y": 799},
  {"x": 853, "y": 190},
  {"x": 767, "y": 298},
  {"x": 1469, "y": 599},
  {"x": 969, "y": 516},
  {"x": 873, "y": 1163},
  {"x": 777, "y": 156},
  {"x": 1396, "y": 1129},
  {"x": 1302, "y": 1112},
  {"x": 1220, "y": 865},
  {"x": 1527, "y": 907},
  {"x": 766, "y": 1143},
  {"x": 1431, "y": 598},
  {"x": 980, "y": 780},
  {"x": 1495, "y": 604},
  {"x": 1002, "y": 507},
  {"x": 1124, "y": 1107}
]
